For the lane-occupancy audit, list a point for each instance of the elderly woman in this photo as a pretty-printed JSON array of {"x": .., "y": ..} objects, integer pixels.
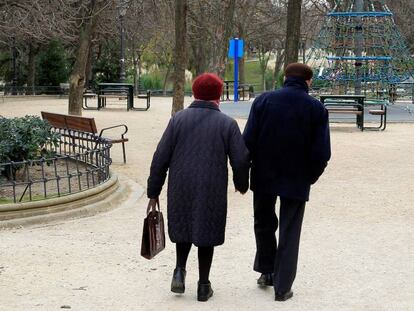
[{"x": 195, "y": 148}]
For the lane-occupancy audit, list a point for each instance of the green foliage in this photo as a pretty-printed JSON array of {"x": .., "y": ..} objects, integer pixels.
[
  {"x": 252, "y": 74},
  {"x": 280, "y": 79},
  {"x": 107, "y": 67},
  {"x": 268, "y": 80},
  {"x": 151, "y": 82},
  {"x": 5, "y": 72},
  {"x": 316, "y": 84},
  {"x": 188, "y": 87},
  {"x": 25, "y": 139},
  {"x": 53, "y": 65}
]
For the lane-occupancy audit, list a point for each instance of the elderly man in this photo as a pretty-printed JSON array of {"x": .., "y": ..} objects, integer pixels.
[{"x": 287, "y": 134}]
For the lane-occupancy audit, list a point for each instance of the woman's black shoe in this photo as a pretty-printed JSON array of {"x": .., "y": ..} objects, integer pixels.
[
  {"x": 178, "y": 281},
  {"x": 283, "y": 296},
  {"x": 266, "y": 279},
  {"x": 204, "y": 291}
]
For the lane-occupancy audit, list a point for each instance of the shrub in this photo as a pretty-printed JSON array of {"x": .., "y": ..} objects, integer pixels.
[
  {"x": 151, "y": 82},
  {"x": 52, "y": 65},
  {"x": 25, "y": 139}
]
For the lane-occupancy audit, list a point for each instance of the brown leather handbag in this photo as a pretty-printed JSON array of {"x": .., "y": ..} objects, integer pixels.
[{"x": 153, "y": 234}]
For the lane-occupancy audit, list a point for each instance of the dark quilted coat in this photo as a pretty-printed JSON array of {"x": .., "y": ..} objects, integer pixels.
[{"x": 195, "y": 149}]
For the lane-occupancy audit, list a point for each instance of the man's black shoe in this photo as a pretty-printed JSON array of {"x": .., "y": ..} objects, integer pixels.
[
  {"x": 266, "y": 279},
  {"x": 283, "y": 296},
  {"x": 204, "y": 291},
  {"x": 178, "y": 281}
]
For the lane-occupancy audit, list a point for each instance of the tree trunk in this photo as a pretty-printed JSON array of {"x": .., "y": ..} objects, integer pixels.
[
  {"x": 88, "y": 69},
  {"x": 228, "y": 28},
  {"x": 77, "y": 78},
  {"x": 31, "y": 69},
  {"x": 293, "y": 31},
  {"x": 180, "y": 55},
  {"x": 200, "y": 61},
  {"x": 278, "y": 65}
]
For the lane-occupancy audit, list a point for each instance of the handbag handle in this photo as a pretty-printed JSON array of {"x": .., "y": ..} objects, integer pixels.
[{"x": 152, "y": 205}]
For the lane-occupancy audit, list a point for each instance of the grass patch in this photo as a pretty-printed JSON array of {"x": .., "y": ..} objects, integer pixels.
[{"x": 5, "y": 201}]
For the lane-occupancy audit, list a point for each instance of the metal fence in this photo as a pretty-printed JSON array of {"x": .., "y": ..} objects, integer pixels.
[{"x": 81, "y": 162}]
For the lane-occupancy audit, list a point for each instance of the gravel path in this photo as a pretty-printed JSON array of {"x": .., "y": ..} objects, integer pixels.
[{"x": 357, "y": 247}]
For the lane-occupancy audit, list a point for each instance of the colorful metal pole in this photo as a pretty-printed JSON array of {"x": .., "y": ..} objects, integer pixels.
[
  {"x": 236, "y": 70},
  {"x": 359, "y": 42}
]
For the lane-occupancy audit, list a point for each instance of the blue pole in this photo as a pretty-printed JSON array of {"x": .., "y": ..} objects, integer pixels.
[{"x": 236, "y": 70}]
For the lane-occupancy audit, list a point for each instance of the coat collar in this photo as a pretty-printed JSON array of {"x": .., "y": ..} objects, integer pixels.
[
  {"x": 204, "y": 104},
  {"x": 296, "y": 82}
]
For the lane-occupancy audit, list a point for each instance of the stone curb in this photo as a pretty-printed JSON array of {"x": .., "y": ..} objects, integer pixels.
[
  {"x": 60, "y": 200},
  {"x": 125, "y": 192}
]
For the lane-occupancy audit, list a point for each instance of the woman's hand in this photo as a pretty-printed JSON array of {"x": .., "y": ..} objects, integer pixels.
[{"x": 152, "y": 204}]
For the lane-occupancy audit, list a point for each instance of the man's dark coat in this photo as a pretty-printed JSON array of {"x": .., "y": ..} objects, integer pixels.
[
  {"x": 195, "y": 149},
  {"x": 287, "y": 135}
]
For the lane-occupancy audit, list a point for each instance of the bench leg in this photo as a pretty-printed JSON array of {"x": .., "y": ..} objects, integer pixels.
[
  {"x": 123, "y": 151},
  {"x": 383, "y": 122},
  {"x": 385, "y": 119}
]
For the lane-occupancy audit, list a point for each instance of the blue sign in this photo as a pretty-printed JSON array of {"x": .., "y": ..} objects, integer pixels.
[
  {"x": 236, "y": 51},
  {"x": 236, "y": 45}
]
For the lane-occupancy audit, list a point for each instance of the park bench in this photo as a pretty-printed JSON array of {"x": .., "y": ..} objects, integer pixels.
[
  {"x": 143, "y": 94},
  {"x": 88, "y": 94},
  {"x": 245, "y": 91},
  {"x": 381, "y": 112},
  {"x": 84, "y": 124},
  {"x": 64, "y": 88}
]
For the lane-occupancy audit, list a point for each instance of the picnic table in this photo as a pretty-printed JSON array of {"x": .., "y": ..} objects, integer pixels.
[
  {"x": 346, "y": 104},
  {"x": 356, "y": 104},
  {"x": 243, "y": 90},
  {"x": 115, "y": 90}
]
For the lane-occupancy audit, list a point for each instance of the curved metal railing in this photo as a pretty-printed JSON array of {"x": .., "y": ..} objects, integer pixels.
[{"x": 81, "y": 162}]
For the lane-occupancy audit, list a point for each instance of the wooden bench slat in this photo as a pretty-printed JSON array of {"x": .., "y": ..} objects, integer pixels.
[
  {"x": 114, "y": 141},
  {"x": 356, "y": 112},
  {"x": 377, "y": 112},
  {"x": 71, "y": 122}
]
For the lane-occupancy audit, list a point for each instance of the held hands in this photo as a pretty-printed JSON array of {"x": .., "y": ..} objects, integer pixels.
[{"x": 242, "y": 193}]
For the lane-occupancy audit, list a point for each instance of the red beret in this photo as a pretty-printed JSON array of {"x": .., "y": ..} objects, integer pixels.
[{"x": 207, "y": 86}]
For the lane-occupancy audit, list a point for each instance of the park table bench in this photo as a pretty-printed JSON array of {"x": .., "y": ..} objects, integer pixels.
[
  {"x": 84, "y": 124},
  {"x": 88, "y": 94},
  {"x": 356, "y": 104},
  {"x": 244, "y": 91},
  {"x": 381, "y": 112},
  {"x": 346, "y": 104},
  {"x": 115, "y": 90}
]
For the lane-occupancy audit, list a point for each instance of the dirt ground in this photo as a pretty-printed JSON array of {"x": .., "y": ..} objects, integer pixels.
[{"x": 357, "y": 246}]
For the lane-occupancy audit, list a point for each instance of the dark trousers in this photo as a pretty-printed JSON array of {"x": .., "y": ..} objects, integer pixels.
[{"x": 279, "y": 259}]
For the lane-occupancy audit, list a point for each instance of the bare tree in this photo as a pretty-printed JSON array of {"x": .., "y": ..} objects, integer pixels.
[
  {"x": 180, "y": 54},
  {"x": 293, "y": 31}
]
